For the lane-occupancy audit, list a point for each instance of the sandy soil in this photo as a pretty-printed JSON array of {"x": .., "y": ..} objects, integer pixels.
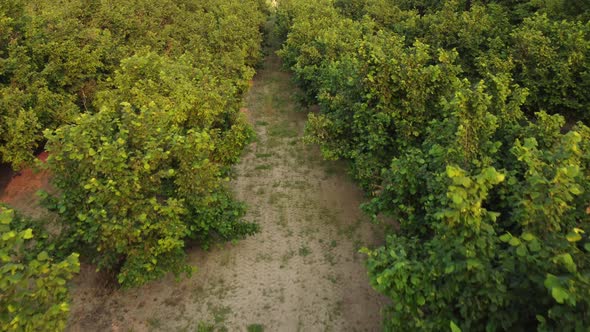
[
  {"x": 302, "y": 272},
  {"x": 19, "y": 189}
]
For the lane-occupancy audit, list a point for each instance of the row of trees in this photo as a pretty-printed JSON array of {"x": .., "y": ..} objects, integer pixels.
[
  {"x": 56, "y": 59},
  {"x": 137, "y": 103},
  {"x": 459, "y": 119}
]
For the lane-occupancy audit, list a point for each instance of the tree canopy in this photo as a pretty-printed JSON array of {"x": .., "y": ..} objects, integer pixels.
[{"x": 465, "y": 121}]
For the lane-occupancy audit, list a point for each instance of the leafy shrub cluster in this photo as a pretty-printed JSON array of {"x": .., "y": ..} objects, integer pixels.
[
  {"x": 459, "y": 119},
  {"x": 138, "y": 104},
  {"x": 56, "y": 58}
]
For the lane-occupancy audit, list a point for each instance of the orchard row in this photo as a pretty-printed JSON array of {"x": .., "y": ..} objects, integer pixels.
[
  {"x": 137, "y": 104},
  {"x": 464, "y": 121}
]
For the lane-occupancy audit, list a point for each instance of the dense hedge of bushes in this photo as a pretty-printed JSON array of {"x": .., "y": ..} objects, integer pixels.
[
  {"x": 56, "y": 58},
  {"x": 465, "y": 122},
  {"x": 138, "y": 102}
]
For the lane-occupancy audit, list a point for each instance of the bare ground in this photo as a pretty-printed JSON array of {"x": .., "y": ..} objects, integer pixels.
[
  {"x": 302, "y": 272},
  {"x": 19, "y": 189}
]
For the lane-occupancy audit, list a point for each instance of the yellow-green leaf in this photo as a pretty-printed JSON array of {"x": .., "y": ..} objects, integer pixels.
[{"x": 28, "y": 234}]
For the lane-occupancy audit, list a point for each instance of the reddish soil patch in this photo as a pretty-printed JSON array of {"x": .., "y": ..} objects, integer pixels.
[{"x": 19, "y": 189}]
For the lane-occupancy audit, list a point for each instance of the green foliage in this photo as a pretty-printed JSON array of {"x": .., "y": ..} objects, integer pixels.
[
  {"x": 54, "y": 60},
  {"x": 552, "y": 60},
  {"x": 255, "y": 328},
  {"x": 139, "y": 106},
  {"x": 135, "y": 182},
  {"x": 543, "y": 44},
  {"x": 34, "y": 295},
  {"x": 440, "y": 107}
]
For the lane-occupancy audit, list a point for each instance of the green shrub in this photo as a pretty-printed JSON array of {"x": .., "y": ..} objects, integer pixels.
[
  {"x": 441, "y": 109},
  {"x": 134, "y": 185},
  {"x": 54, "y": 60},
  {"x": 34, "y": 294}
]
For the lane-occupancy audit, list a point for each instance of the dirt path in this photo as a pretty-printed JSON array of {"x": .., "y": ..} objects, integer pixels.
[{"x": 302, "y": 272}]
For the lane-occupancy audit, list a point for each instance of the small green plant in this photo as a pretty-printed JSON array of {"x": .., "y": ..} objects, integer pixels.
[
  {"x": 304, "y": 251},
  {"x": 220, "y": 314},
  {"x": 205, "y": 327},
  {"x": 330, "y": 258},
  {"x": 154, "y": 323},
  {"x": 264, "y": 155},
  {"x": 286, "y": 258},
  {"x": 255, "y": 328},
  {"x": 332, "y": 278},
  {"x": 264, "y": 167}
]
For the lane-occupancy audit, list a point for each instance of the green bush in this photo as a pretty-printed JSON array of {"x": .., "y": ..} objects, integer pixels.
[
  {"x": 134, "y": 186},
  {"x": 441, "y": 109},
  {"x": 34, "y": 294},
  {"x": 55, "y": 59},
  {"x": 139, "y": 106}
]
